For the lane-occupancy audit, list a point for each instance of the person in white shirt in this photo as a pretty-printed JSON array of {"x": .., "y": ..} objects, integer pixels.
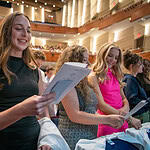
[{"x": 49, "y": 73}]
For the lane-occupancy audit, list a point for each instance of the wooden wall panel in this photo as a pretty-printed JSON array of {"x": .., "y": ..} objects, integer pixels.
[
  {"x": 53, "y": 56},
  {"x": 145, "y": 55},
  {"x": 135, "y": 12},
  {"x": 53, "y": 29}
]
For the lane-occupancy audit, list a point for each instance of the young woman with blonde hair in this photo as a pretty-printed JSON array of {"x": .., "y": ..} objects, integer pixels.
[{"x": 105, "y": 79}]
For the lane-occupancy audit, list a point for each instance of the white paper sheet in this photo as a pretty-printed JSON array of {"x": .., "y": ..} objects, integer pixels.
[
  {"x": 69, "y": 75},
  {"x": 136, "y": 108}
]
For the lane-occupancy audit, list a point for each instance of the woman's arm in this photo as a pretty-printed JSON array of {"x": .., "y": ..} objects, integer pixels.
[
  {"x": 32, "y": 106},
  {"x": 104, "y": 107},
  {"x": 125, "y": 109},
  {"x": 71, "y": 106},
  {"x": 134, "y": 122}
]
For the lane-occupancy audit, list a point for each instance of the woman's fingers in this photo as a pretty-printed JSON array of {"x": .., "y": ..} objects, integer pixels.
[
  {"x": 45, "y": 147},
  {"x": 35, "y": 105},
  {"x": 48, "y": 97}
]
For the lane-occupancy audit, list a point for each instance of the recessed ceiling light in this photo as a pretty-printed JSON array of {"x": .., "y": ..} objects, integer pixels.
[
  {"x": 92, "y": 29},
  {"x": 7, "y": 1},
  {"x": 18, "y": 4},
  {"x": 13, "y": 0},
  {"x": 22, "y": 2},
  {"x": 26, "y": 5},
  {"x": 40, "y": 6},
  {"x": 45, "y": 3},
  {"x": 35, "y": 1},
  {"x": 53, "y": 5}
]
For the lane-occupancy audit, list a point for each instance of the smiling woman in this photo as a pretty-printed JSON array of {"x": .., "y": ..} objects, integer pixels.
[
  {"x": 19, "y": 100},
  {"x": 21, "y": 35},
  {"x": 105, "y": 79}
]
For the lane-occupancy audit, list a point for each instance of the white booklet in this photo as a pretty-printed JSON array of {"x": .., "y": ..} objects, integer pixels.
[
  {"x": 136, "y": 108},
  {"x": 69, "y": 75}
]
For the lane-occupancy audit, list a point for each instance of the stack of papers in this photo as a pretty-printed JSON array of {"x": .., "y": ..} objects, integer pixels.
[{"x": 69, "y": 75}]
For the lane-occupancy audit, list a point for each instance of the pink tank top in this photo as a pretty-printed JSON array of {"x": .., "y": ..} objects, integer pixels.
[{"x": 110, "y": 90}]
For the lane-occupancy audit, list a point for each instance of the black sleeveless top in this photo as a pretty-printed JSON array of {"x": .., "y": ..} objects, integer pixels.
[{"x": 23, "y": 134}]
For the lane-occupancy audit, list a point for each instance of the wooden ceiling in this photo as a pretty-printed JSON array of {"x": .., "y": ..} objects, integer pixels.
[{"x": 49, "y": 5}]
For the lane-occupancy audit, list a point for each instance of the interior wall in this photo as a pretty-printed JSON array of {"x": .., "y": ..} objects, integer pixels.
[
  {"x": 102, "y": 40},
  {"x": 93, "y": 8},
  {"x": 126, "y": 39},
  {"x": 75, "y": 21},
  {"x": 55, "y": 43},
  {"x": 147, "y": 43},
  {"x": 138, "y": 29},
  {"x": 48, "y": 17},
  {"x": 58, "y": 15},
  {"x": 87, "y": 12},
  {"x": 86, "y": 43},
  {"x": 80, "y": 10},
  {"x": 4, "y": 11},
  {"x": 38, "y": 14},
  {"x": 16, "y": 7},
  {"x": 28, "y": 12}
]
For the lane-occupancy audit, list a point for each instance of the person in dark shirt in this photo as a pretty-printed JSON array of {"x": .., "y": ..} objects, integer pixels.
[
  {"x": 19, "y": 100},
  {"x": 133, "y": 89},
  {"x": 144, "y": 77}
]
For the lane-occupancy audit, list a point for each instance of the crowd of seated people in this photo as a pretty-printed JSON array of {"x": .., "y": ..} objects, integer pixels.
[{"x": 55, "y": 48}]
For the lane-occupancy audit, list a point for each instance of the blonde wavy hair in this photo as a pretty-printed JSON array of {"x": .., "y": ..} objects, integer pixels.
[
  {"x": 6, "y": 44},
  {"x": 74, "y": 53},
  {"x": 100, "y": 67}
]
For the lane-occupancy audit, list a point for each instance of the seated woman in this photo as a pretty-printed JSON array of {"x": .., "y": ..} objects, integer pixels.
[
  {"x": 77, "y": 111},
  {"x": 144, "y": 76},
  {"x": 133, "y": 89}
]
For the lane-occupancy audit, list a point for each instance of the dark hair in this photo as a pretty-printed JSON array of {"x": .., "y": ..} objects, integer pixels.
[
  {"x": 145, "y": 61},
  {"x": 130, "y": 58},
  {"x": 49, "y": 68},
  {"x": 39, "y": 55}
]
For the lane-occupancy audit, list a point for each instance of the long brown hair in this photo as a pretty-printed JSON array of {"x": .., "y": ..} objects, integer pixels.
[
  {"x": 74, "y": 53},
  {"x": 6, "y": 44}
]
